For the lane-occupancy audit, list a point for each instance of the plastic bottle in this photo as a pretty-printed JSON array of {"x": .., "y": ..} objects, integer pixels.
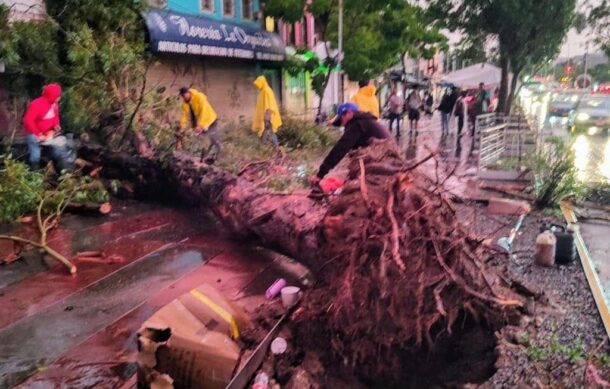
[
  {"x": 545, "y": 249},
  {"x": 275, "y": 288}
]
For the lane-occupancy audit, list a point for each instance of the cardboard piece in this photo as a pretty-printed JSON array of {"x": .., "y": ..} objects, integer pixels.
[
  {"x": 186, "y": 345},
  {"x": 217, "y": 313}
]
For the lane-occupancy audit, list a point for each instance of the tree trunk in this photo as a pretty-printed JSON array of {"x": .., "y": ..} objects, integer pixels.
[
  {"x": 396, "y": 269},
  {"x": 513, "y": 87},
  {"x": 503, "y": 93}
]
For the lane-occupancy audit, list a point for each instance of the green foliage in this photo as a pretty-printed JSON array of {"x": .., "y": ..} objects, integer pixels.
[
  {"x": 29, "y": 51},
  {"x": 20, "y": 190},
  {"x": 529, "y": 33},
  {"x": 555, "y": 174},
  {"x": 304, "y": 134},
  {"x": 376, "y": 33},
  {"x": 95, "y": 48},
  {"x": 597, "y": 193},
  {"x": 599, "y": 19}
]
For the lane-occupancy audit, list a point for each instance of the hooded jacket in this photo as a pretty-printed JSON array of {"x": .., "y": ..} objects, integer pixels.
[
  {"x": 42, "y": 115},
  {"x": 366, "y": 100},
  {"x": 265, "y": 101},
  {"x": 358, "y": 133},
  {"x": 197, "y": 111}
]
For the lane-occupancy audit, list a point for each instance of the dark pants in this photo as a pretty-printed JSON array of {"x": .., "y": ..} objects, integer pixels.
[
  {"x": 212, "y": 133},
  {"x": 460, "y": 125},
  {"x": 395, "y": 117},
  {"x": 268, "y": 132}
]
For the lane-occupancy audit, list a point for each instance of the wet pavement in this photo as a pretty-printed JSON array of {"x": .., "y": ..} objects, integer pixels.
[{"x": 62, "y": 331}]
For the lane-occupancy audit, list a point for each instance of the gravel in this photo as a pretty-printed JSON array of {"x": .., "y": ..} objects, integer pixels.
[{"x": 563, "y": 329}]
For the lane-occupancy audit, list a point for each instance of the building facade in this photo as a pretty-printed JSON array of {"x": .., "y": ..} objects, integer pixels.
[{"x": 217, "y": 46}]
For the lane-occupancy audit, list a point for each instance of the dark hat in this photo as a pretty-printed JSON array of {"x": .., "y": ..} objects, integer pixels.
[{"x": 183, "y": 90}]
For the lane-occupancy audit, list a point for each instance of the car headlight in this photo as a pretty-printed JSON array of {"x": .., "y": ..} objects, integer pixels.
[
  {"x": 574, "y": 98},
  {"x": 581, "y": 117}
]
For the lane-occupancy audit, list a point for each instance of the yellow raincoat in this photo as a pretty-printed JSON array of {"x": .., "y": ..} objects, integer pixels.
[
  {"x": 265, "y": 101},
  {"x": 203, "y": 111},
  {"x": 366, "y": 100}
]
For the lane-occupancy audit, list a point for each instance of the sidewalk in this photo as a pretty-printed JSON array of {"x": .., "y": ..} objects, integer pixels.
[{"x": 58, "y": 330}]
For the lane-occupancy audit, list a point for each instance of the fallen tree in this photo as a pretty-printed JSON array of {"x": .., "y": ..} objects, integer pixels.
[{"x": 395, "y": 267}]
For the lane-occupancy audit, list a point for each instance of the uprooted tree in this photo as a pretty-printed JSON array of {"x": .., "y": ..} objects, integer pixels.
[{"x": 396, "y": 268}]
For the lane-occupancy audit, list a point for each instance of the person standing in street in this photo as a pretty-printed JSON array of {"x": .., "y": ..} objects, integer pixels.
[
  {"x": 267, "y": 119},
  {"x": 482, "y": 101},
  {"x": 445, "y": 108},
  {"x": 395, "y": 105},
  {"x": 414, "y": 104},
  {"x": 197, "y": 111},
  {"x": 460, "y": 111},
  {"x": 42, "y": 125},
  {"x": 428, "y": 103},
  {"x": 365, "y": 98},
  {"x": 360, "y": 128}
]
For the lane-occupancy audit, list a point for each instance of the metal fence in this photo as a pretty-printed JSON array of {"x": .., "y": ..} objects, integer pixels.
[{"x": 508, "y": 137}]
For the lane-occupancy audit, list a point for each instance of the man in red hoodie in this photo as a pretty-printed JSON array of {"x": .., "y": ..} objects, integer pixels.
[{"x": 41, "y": 122}]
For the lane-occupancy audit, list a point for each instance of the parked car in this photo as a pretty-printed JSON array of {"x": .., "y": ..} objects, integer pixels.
[{"x": 592, "y": 116}]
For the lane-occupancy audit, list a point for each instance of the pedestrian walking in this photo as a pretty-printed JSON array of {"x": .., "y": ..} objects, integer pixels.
[
  {"x": 445, "y": 108},
  {"x": 267, "y": 119},
  {"x": 365, "y": 98},
  {"x": 460, "y": 111},
  {"x": 42, "y": 127},
  {"x": 414, "y": 104},
  {"x": 395, "y": 106},
  {"x": 428, "y": 103},
  {"x": 198, "y": 112}
]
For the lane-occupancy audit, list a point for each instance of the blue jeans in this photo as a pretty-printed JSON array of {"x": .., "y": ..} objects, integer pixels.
[
  {"x": 445, "y": 122},
  {"x": 34, "y": 151},
  {"x": 58, "y": 154}
]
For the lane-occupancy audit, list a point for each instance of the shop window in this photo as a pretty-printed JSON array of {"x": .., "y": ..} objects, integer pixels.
[
  {"x": 228, "y": 8},
  {"x": 207, "y": 5},
  {"x": 246, "y": 7}
]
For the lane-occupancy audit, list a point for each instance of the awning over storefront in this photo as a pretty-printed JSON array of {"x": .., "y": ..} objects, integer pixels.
[{"x": 176, "y": 33}]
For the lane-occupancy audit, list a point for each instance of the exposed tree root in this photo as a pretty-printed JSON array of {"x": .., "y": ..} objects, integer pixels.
[{"x": 403, "y": 269}]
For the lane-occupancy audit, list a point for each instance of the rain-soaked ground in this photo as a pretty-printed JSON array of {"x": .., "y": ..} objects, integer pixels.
[{"x": 62, "y": 331}]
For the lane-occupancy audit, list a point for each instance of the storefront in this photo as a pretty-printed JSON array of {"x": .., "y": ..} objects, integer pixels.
[{"x": 218, "y": 57}]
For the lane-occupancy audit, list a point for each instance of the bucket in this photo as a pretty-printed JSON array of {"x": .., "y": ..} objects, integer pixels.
[
  {"x": 545, "y": 249},
  {"x": 565, "y": 249},
  {"x": 290, "y": 296}
]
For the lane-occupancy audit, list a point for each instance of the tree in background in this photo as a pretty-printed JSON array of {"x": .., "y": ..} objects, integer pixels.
[
  {"x": 599, "y": 19},
  {"x": 96, "y": 49},
  {"x": 376, "y": 34},
  {"x": 528, "y": 33}
]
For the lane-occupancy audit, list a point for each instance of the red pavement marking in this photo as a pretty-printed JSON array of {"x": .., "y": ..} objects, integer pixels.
[
  {"x": 113, "y": 228},
  {"x": 35, "y": 293},
  {"x": 100, "y": 361}
]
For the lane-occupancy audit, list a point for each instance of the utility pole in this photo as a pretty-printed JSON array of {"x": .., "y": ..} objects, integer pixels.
[
  {"x": 340, "y": 47},
  {"x": 586, "y": 64}
]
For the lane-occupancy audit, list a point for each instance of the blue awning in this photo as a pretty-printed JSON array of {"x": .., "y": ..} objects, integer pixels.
[{"x": 176, "y": 33}]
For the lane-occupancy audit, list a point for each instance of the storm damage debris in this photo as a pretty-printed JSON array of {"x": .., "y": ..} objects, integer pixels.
[
  {"x": 396, "y": 269},
  {"x": 191, "y": 342},
  {"x": 401, "y": 268}
]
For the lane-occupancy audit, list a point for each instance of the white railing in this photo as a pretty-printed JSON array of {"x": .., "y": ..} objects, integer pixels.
[{"x": 509, "y": 137}]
